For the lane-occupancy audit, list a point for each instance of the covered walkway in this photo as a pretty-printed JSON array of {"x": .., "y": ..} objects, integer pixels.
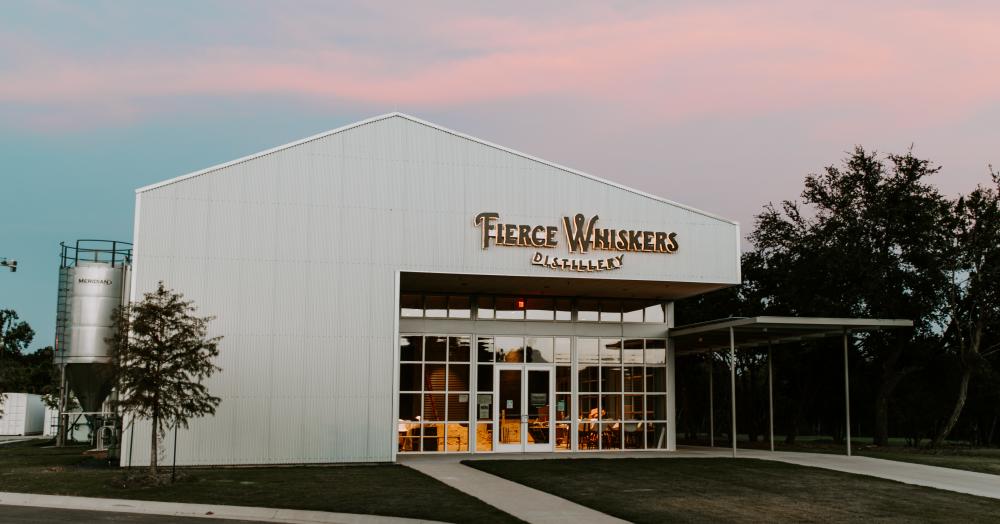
[{"x": 758, "y": 332}]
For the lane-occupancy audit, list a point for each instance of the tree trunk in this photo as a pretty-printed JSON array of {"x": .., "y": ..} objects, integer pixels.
[
  {"x": 154, "y": 452},
  {"x": 963, "y": 386},
  {"x": 963, "y": 390},
  {"x": 889, "y": 383}
]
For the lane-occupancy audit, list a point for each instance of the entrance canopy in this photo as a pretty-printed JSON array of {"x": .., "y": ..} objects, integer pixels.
[{"x": 714, "y": 335}]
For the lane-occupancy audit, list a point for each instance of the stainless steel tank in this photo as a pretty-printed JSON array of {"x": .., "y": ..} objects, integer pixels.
[{"x": 92, "y": 284}]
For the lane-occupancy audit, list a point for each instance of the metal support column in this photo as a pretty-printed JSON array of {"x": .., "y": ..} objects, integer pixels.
[
  {"x": 711, "y": 403},
  {"x": 770, "y": 395},
  {"x": 732, "y": 382},
  {"x": 847, "y": 396},
  {"x": 62, "y": 429}
]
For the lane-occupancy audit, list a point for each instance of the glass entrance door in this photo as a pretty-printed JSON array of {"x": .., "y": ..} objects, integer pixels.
[{"x": 524, "y": 408}]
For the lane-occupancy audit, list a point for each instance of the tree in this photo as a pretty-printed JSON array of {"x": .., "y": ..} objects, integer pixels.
[
  {"x": 162, "y": 356},
  {"x": 14, "y": 339},
  {"x": 973, "y": 292},
  {"x": 869, "y": 245}
]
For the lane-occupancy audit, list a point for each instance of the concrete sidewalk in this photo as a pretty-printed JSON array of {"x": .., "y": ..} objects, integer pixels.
[
  {"x": 971, "y": 482},
  {"x": 525, "y": 503},
  {"x": 213, "y": 511}
]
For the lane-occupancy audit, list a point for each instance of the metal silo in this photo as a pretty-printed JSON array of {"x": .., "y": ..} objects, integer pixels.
[{"x": 93, "y": 281}]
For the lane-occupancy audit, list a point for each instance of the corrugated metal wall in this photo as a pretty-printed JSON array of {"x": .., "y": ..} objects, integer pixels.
[{"x": 296, "y": 253}]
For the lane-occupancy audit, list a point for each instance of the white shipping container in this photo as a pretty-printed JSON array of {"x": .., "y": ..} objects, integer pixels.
[{"x": 23, "y": 414}]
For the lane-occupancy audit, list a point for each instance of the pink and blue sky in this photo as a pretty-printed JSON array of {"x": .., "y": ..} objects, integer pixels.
[{"x": 724, "y": 106}]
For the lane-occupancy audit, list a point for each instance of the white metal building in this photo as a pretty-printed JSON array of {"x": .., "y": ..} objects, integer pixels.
[{"x": 393, "y": 286}]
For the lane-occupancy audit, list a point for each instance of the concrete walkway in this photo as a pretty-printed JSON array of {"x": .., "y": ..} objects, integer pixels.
[
  {"x": 525, "y": 503},
  {"x": 971, "y": 482},
  {"x": 214, "y": 511}
]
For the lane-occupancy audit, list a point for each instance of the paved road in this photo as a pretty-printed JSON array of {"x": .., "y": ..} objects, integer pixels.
[{"x": 33, "y": 515}]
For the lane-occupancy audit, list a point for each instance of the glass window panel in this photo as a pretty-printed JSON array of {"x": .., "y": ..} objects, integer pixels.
[
  {"x": 611, "y": 435},
  {"x": 656, "y": 435},
  {"x": 485, "y": 379},
  {"x": 634, "y": 407},
  {"x": 484, "y": 307},
  {"x": 563, "y": 406},
  {"x": 509, "y": 349},
  {"x": 633, "y": 351},
  {"x": 632, "y": 311},
  {"x": 410, "y": 377},
  {"x": 656, "y": 351},
  {"x": 458, "y": 349},
  {"x": 434, "y": 407},
  {"x": 458, "y": 437},
  {"x": 611, "y": 350},
  {"x": 588, "y": 431},
  {"x": 409, "y": 407},
  {"x": 611, "y": 407},
  {"x": 436, "y": 306},
  {"x": 435, "y": 348},
  {"x": 634, "y": 378},
  {"x": 458, "y": 377},
  {"x": 409, "y": 436},
  {"x": 459, "y": 307},
  {"x": 411, "y": 305},
  {"x": 589, "y": 408},
  {"x": 506, "y": 309},
  {"x": 656, "y": 379},
  {"x": 563, "y": 349},
  {"x": 540, "y": 309},
  {"x": 633, "y": 435},
  {"x": 564, "y": 309},
  {"x": 458, "y": 407},
  {"x": 611, "y": 311},
  {"x": 484, "y": 406},
  {"x": 432, "y": 435},
  {"x": 411, "y": 348},
  {"x": 564, "y": 375},
  {"x": 435, "y": 377},
  {"x": 587, "y": 310},
  {"x": 484, "y": 351},
  {"x": 539, "y": 349},
  {"x": 655, "y": 314},
  {"x": 656, "y": 407},
  {"x": 484, "y": 437},
  {"x": 611, "y": 378},
  {"x": 587, "y": 350},
  {"x": 563, "y": 426},
  {"x": 588, "y": 378}
]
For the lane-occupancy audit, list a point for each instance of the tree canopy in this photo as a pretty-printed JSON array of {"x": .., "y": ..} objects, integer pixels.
[
  {"x": 163, "y": 356},
  {"x": 873, "y": 237}
]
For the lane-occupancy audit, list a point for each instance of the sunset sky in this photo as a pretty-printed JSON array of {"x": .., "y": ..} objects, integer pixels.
[{"x": 723, "y": 106}]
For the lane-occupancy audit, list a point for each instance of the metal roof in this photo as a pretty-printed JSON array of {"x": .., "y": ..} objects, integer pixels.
[
  {"x": 761, "y": 331},
  {"x": 439, "y": 128}
]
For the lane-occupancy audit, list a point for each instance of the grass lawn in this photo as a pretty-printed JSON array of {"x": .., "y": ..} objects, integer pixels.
[
  {"x": 391, "y": 490},
  {"x": 700, "y": 490}
]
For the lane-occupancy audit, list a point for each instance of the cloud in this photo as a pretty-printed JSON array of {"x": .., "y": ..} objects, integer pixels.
[{"x": 652, "y": 62}]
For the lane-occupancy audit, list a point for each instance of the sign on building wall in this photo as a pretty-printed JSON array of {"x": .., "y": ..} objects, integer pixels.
[{"x": 582, "y": 235}]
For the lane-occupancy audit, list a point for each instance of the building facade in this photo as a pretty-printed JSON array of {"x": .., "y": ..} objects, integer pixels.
[{"x": 393, "y": 286}]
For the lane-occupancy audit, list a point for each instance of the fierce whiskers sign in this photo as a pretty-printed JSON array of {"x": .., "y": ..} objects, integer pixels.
[{"x": 581, "y": 234}]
